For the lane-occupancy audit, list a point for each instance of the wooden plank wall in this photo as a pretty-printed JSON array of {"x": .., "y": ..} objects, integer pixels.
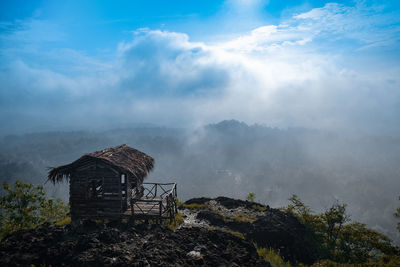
[{"x": 111, "y": 202}]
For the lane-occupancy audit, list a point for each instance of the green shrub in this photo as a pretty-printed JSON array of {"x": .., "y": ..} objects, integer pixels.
[
  {"x": 25, "y": 206},
  {"x": 340, "y": 240},
  {"x": 251, "y": 197}
]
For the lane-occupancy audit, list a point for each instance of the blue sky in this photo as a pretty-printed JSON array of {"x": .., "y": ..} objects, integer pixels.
[{"x": 318, "y": 64}]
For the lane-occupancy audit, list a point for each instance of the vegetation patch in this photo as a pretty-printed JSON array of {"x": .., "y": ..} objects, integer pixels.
[
  {"x": 25, "y": 206},
  {"x": 237, "y": 234},
  {"x": 259, "y": 207},
  {"x": 341, "y": 241},
  {"x": 272, "y": 257},
  {"x": 243, "y": 218},
  {"x": 176, "y": 222},
  {"x": 65, "y": 221}
]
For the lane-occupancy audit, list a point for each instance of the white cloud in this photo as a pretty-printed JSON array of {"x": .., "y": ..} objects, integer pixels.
[{"x": 280, "y": 75}]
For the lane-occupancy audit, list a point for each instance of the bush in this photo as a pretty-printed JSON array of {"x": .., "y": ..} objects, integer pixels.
[
  {"x": 340, "y": 240},
  {"x": 26, "y": 206},
  {"x": 251, "y": 197}
]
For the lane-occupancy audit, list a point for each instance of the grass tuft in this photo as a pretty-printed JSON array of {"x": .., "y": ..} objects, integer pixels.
[
  {"x": 175, "y": 223},
  {"x": 65, "y": 221},
  {"x": 241, "y": 218},
  {"x": 259, "y": 207},
  {"x": 237, "y": 234},
  {"x": 272, "y": 257}
]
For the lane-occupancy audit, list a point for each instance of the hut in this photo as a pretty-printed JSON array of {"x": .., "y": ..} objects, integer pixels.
[{"x": 103, "y": 183}]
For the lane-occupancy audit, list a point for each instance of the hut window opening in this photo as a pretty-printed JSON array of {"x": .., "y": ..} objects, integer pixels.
[
  {"x": 123, "y": 179},
  {"x": 96, "y": 189}
]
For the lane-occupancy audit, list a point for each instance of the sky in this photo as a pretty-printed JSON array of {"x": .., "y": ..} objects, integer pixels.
[{"x": 67, "y": 65}]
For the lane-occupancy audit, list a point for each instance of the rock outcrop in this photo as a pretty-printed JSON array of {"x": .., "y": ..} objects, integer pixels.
[
  {"x": 215, "y": 232},
  {"x": 97, "y": 244},
  {"x": 267, "y": 227}
]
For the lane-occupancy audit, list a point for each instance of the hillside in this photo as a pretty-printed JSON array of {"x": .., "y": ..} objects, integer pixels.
[{"x": 223, "y": 234}]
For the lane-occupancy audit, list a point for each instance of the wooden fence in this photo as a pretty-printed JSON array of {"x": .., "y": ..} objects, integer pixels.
[{"x": 158, "y": 202}]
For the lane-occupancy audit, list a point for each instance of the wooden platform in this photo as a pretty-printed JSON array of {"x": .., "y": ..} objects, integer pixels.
[
  {"x": 157, "y": 202},
  {"x": 147, "y": 207}
]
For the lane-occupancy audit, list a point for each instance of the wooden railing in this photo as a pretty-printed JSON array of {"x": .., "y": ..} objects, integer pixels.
[{"x": 158, "y": 200}]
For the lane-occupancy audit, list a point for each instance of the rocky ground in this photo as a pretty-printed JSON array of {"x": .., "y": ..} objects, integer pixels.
[
  {"x": 92, "y": 244},
  {"x": 215, "y": 232},
  {"x": 257, "y": 223}
]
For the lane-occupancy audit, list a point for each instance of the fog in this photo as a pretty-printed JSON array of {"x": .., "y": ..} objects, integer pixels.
[{"x": 232, "y": 158}]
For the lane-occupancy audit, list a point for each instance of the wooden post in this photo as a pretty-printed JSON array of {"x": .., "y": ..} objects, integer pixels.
[
  {"x": 160, "y": 207},
  {"x": 171, "y": 208},
  {"x": 176, "y": 195}
]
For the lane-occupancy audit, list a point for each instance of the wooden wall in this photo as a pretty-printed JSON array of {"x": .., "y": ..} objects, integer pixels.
[{"x": 83, "y": 204}]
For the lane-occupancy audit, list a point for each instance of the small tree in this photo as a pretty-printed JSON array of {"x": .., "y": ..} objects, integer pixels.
[
  {"x": 25, "y": 206},
  {"x": 339, "y": 239},
  {"x": 251, "y": 197},
  {"x": 312, "y": 221},
  {"x": 334, "y": 218}
]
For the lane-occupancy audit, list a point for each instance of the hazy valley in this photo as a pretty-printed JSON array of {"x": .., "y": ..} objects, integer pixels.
[{"x": 232, "y": 158}]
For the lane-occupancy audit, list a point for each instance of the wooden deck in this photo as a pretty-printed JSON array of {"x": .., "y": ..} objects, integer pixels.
[
  {"x": 158, "y": 202},
  {"x": 143, "y": 206}
]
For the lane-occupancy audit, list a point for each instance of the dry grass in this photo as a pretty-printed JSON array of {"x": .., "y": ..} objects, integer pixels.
[
  {"x": 242, "y": 218},
  {"x": 272, "y": 257},
  {"x": 259, "y": 207},
  {"x": 237, "y": 234},
  {"x": 65, "y": 221},
  {"x": 176, "y": 222}
]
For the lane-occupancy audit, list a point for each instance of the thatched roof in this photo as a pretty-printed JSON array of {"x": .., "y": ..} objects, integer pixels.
[{"x": 123, "y": 158}]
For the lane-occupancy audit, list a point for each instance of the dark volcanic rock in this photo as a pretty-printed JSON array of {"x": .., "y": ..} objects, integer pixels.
[
  {"x": 214, "y": 218},
  {"x": 285, "y": 233},
  {"x": 140, "y": 245},
  {"x": 199, "y": 200},
  {"x": 231, "y": 203},
  {"x": 267, "y": 227}
]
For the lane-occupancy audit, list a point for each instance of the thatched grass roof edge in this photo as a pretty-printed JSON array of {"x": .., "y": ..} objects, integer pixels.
[{"x": 123, "y": 158}]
